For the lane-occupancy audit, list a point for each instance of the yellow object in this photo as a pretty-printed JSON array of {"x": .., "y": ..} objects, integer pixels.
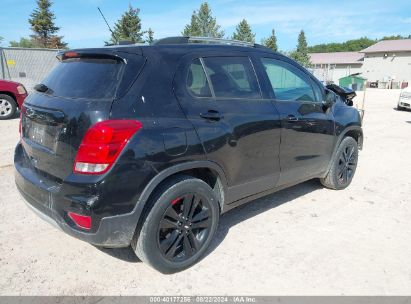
[{"x": 11, "y": 62}]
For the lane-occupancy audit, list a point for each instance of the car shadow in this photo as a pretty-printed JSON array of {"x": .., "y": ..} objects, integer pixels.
[
  {"x": 16, "y": 115},
  {"x": 258, "y": 206},
  {"x": 408, "y": 121},
  {"x": 126, "y": 254},
  {"x": 233, "y": 217},
  {"x": 402, "y": 110}
]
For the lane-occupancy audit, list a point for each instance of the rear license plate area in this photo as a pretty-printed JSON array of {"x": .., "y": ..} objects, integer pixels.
[{"x": 42, "y": 134}]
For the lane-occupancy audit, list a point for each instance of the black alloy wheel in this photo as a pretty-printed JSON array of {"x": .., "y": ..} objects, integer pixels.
[
  {"x": 179, "y": 224},
  {"x": 343, "y": 165},
  {"x": 347, "y": 164},
  {"x": 184, "y": 227}
]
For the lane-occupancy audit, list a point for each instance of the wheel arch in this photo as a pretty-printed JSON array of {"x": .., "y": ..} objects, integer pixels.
[
  {"x": 354, "y": 132},
  {"x": 8, "y": 93},
  {"x": 208, "y": 171}
]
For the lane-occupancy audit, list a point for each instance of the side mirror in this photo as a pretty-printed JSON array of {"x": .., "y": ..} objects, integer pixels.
[{"x": 330, "y": 99}]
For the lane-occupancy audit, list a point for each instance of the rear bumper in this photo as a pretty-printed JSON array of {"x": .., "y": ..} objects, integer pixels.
[
  {"x": 47, "y": 200},
  {"x": 115, "y": 231}
]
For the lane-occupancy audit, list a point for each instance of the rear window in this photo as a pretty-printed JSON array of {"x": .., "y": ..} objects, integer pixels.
[
  {"x": 197, "y": 83},
  {"x": 89, "y": 78}
]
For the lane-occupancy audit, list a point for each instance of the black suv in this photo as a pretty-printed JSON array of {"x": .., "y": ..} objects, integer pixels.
[{"x": 147, "y": 145}]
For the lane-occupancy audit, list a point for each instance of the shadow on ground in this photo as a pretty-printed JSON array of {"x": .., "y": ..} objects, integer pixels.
[
  {"x": 126, "y": 254},
  {"x": 402, "y": 110},
  {"x": 15, "y": 116},
  {"x": 256, "y": 207},
  {"x": 234, "y": 217}
]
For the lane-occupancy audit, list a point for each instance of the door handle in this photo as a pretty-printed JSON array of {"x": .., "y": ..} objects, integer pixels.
[
  {"x": 292, "y": 118},
  {"x": 211, "y": 115}
]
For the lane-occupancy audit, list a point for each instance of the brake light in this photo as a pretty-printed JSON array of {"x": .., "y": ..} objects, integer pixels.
[
  {"x": 21, "y": 90},
  {"x": 102, "y": 144},
  {"x": 82, "y": 221},
  {"x": 71, "y": 54}
]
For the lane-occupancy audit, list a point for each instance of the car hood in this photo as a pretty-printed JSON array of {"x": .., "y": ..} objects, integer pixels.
[
  {"x": 406, "y": 90},
  {"x": 9, "y": 82}
]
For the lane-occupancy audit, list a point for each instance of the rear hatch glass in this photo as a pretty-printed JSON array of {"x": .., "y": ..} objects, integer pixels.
[{"x": 85, "y": 78}]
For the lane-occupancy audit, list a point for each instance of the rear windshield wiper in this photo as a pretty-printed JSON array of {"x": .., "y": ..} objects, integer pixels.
[{"x": 41, "y": 88}]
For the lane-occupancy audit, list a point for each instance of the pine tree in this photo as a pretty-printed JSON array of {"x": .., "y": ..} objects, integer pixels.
[
  {"x": 43, "y": 27},
  {"x": 271, "y": 42},
  {"x": 128, "y": 27},
  {"x": 203, "y": 24},
  {"x": 1, "y": 40},
  {"x": 193, "y": 28},
  {"x": 301, "y": 53},
  {"x": 243, "y": 32},
  {"x": 150, "y": 36}
]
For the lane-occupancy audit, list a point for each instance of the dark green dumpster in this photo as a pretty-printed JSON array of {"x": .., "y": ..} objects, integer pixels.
[{"x": 355, "y": 82}]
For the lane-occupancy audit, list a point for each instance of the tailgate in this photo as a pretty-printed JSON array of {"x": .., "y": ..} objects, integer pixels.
[
  {"x": 51, "y": 136},
  {"x": 78, "y": 93}
]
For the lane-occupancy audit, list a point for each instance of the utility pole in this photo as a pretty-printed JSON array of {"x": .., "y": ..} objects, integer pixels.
[{"x": 3, "y": 72}]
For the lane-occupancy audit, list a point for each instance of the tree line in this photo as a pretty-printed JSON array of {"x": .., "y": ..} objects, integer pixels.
[
  {"x": 353, "y": 45},
  {"x": 202, "y": 23}
]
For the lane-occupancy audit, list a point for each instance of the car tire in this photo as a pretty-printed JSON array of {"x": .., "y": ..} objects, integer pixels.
[
  {"x": 175, "y": 235},
  {"x": 343, "y": 165},
  {"x": 8, "y": 106}
]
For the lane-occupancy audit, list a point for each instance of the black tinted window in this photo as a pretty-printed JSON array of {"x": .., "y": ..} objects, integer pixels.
[
  {"x": 287, "y": 82},
  {"x": 232, "y": 77},
  {"x": 197, "y": 83},
  {"x": 88, "y": 78}
]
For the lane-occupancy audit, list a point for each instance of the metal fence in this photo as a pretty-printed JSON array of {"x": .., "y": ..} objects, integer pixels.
[{"x": 25, "y": 65}]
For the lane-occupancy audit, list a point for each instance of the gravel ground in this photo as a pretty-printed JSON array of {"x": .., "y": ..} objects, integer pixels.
[{"x": 305, "y": 240}]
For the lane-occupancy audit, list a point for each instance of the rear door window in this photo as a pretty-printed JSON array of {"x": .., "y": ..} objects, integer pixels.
[
  {"x": 232, "y": 77},
  {"x": 287, "y": 82},
  {"x": 89, "y": 78},
  {"x": 197, "y": 83}
]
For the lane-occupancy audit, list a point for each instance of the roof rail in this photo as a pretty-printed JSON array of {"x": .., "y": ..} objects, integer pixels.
[
  {"x": 213, "y": 40},
  {"x": 207, "y": 40},
  {"x": 171, "y": 40}
]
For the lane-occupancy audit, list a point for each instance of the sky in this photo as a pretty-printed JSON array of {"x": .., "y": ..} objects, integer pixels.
[{"x": 323, "y": 21}]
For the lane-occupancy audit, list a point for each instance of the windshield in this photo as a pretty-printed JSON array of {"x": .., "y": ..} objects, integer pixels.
[{"x": 88, "y": 78}]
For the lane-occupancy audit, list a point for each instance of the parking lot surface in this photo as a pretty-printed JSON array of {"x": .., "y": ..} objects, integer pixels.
[{"x": 305, "y": 240}]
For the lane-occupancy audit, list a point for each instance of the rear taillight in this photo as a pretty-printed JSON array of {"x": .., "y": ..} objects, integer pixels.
[
  {"x": 82, "y": 221},
  {"x": 102, "y": 144},
  {"x": 21, "y": 90}
]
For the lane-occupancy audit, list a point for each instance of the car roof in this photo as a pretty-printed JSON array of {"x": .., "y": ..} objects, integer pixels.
[
  {"x": 182, "y": 47},
  {"x": 179, "y": 48}
]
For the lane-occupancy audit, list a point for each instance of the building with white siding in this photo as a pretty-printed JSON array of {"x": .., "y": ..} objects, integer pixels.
[
  {"x": 387, "y": 64},
  {"x": 333, "y": 66}
]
